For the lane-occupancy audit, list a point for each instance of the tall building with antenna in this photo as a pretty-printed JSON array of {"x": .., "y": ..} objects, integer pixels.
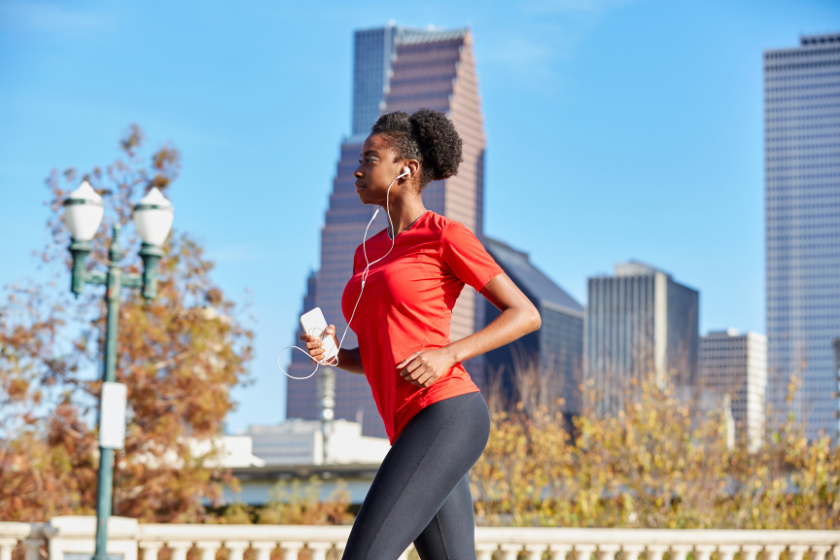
[{"x": 395, "y": 69}]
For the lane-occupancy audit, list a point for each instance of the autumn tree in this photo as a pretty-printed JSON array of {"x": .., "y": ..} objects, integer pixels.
[
  {"x": 179, "y": 355},
  {"x": 657, "y": 462}
]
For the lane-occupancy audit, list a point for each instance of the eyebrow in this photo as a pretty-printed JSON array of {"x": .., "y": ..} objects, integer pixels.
[{"x": 370, "y": 152}]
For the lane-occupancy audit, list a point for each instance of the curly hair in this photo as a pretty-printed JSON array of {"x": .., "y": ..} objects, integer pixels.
[{"x": 427, "y": 136}]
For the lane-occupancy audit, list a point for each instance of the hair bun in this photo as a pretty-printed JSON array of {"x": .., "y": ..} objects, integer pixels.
[
  {"x": 439, "y": 143},
  {"x": 427, "y": 136}
]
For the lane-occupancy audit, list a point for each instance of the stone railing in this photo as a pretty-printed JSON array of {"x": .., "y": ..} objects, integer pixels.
[{"x": 71, "y": 538}]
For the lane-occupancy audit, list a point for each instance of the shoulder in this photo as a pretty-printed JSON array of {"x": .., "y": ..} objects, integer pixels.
[
  {"x": 445, "y": 227},
  {"x": 452, "y": 231}
]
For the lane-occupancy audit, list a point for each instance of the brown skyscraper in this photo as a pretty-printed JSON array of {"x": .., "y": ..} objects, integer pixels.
[{"x": 396, "y": 69}]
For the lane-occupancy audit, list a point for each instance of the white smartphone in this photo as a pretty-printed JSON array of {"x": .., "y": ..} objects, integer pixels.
[{"x": 315, "y": 323}]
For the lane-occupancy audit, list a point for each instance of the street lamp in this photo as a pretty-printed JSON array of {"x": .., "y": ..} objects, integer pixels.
[{"x": 83, "y": 213}]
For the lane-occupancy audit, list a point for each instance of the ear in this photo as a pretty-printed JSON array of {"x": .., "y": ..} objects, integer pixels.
[{"x": 413, "y": 167}]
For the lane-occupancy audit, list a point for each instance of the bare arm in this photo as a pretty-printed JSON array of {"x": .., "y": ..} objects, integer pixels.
[
  {"x": 348, "y": 359},
  {"x": 518, "y": 318}
]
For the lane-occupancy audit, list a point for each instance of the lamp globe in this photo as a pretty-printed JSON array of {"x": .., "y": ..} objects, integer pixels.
[
  {"x": 153, "y": 217},
  {"x": 83, "y": 212}
]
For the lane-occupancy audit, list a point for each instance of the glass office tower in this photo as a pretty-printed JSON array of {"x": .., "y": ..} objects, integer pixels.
[
  {"x": 802, "y": 229},
  {"x": 395, "y": 69}
]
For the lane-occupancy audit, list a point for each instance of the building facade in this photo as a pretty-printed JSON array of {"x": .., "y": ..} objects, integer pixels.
[
  {"x": 546, "y": 365},
  {"x": 802, "y": 229},
  {"x": 639, "y": 322},
  {"x": 735, "y": 364},
  {"x": 396, "y": 69}
]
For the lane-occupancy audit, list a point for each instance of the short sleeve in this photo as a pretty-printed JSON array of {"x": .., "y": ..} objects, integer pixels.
[{"x": 466, "y": 257}]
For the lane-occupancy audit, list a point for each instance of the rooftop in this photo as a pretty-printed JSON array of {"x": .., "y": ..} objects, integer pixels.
[
  {"x": 516, "y": 263},
  {"x": 637, "y": 268},
  {"x": 825, "y": 38},
  {"x": 408, "y": 36}
]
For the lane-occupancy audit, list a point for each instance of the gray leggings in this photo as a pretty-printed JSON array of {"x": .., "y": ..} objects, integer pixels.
[{"x": 421, "y": 493}]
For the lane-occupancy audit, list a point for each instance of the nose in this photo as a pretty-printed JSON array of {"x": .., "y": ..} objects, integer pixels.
[{"x": 357, "y": 174}]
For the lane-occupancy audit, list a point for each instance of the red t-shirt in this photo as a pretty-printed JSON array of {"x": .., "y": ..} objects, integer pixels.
[{"x": 407, "y": 306}]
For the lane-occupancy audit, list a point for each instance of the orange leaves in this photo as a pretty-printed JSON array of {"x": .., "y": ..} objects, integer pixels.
[{"x": 178, "y": 357}]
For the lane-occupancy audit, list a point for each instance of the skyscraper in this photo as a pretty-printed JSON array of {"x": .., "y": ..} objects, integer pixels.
[
  {"x": 802, "y": 228},
  {"x": 396, "y": 69},
  {"x": 639, "y": 322},
  {"x": 735, "y": 364},
  {"x": 549, "y": 361}
]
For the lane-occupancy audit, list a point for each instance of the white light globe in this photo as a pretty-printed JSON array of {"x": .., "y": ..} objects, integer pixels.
[
  {"x": 83, "y": 212},
  {"x": 153, "y": 217}
]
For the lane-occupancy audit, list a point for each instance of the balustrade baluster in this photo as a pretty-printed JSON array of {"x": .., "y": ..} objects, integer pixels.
[
  {"x": 319, "y": 550},
  {"x": 773, "y": 551},
  {"x": 6, "y": 548},
  {"x": 535, "y": 551},
  {"x": 290, "y": 549},
  {"x": 728, "y": 551},
  {"x": 208, "y": 549},
  {"x": 236, "y": 549},
  {"x": 680, "y": 551},
  {"x": 484, "y": 551},
  {"x": 656, "y": 551},
  {"x": 750, "y": 551},
  {"x": 819, "y": 552},
  {"x": 510, "y": 551},
  {"x": 704, "y": 551},
  {"x": 608, "y": 551},
  {"x": 584, "y": 551},
  {"x": 797, "y": 551},
  {"x": 179, "y": 549},
  {"x": 150, "y": 549},
  {"x": 263, "y": 549},
  {"x": 559, "y": 551},
  {"x": 339, "y": 548},
  {"x": 632, "y": 551}
]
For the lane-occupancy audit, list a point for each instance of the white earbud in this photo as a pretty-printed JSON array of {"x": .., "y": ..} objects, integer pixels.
[{"x": 406, "y": 171}]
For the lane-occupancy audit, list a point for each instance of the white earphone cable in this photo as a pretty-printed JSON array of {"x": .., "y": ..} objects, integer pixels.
[{"x": 364, "y": 278}]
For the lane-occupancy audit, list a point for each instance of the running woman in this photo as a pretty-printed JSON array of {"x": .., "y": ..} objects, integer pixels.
[{"x": 436, "y": 419}]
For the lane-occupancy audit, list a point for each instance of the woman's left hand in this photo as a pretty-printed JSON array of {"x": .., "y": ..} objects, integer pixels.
[{"x": 423, "y": 368}]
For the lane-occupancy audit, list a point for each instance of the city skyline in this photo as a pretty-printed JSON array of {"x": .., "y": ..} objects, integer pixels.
[{"x": 574, "y": 160}]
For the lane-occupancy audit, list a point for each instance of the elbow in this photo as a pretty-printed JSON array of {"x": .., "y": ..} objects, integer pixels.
[{"x": 534, "y": 319}]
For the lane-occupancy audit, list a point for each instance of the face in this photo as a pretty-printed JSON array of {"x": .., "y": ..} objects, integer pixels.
[{"x": 377, "y": 169}]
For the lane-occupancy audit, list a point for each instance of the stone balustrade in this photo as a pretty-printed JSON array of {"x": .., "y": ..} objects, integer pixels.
[{"x": 71, "y": 538}]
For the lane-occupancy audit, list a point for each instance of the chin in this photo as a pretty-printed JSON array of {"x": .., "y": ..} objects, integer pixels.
[{"x": 364, "y": 197}]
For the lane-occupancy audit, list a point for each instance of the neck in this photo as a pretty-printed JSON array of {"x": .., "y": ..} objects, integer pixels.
[{"x": 404, "y": 212}]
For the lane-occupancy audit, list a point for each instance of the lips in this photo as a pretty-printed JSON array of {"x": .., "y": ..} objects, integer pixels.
[{"x": 359, "y": 188}]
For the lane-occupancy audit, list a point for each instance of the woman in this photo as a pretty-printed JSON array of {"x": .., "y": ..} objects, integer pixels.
[{"x": 436, "y": 419}]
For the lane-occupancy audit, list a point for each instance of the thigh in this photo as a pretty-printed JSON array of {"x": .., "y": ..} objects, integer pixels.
[
  {"x": 428, "y": 460},
  {"x": 451, "y": 533}
]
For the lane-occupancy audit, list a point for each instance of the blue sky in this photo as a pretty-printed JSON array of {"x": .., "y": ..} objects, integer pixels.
[{"x": 616, "y": 129}]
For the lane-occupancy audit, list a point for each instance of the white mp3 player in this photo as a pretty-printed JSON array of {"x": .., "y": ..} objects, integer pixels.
[{"x": 315, "y": 323}]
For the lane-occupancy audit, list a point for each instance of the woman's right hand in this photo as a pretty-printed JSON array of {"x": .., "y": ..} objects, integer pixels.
[{"x": 314, "y": 345}]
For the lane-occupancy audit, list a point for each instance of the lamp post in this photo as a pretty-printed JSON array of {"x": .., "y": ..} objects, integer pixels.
[
  {"x": 83, "y": 213},
  {"x": 326, "y": 406}
]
